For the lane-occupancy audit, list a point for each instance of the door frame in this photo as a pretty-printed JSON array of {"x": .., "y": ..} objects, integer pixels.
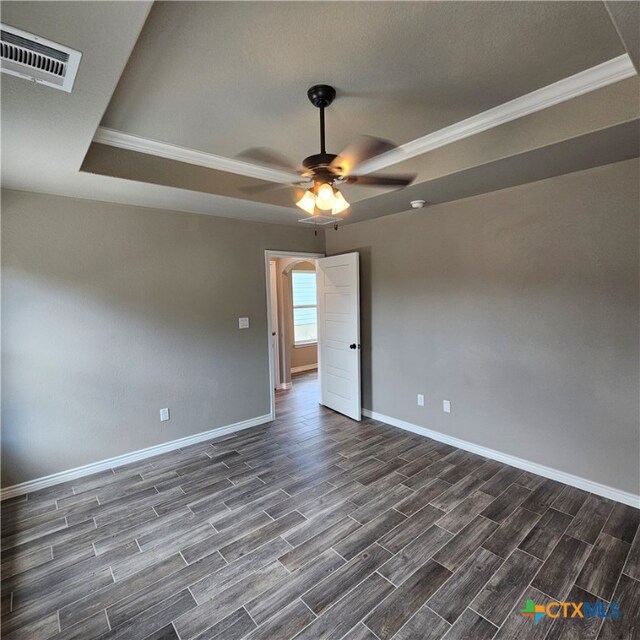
[
  {"x": 275, "y": 327},
  {"x": 271, "y": 254}
]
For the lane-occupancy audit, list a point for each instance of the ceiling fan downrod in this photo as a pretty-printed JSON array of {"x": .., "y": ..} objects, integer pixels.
[{"x": 321, "y": 96}]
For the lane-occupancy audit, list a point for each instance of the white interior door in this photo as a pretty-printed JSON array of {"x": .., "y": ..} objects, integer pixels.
[
  {"x": 275, "y": 346},
  {"x": 339, "y": 333}
]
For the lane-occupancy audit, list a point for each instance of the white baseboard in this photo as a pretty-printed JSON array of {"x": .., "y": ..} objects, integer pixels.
[
  {"x": 283, "y": 386},
  {"x": 304, "y": 367},
  {"x": 520, "y": 463},
  {"x": 134, "y": 456}
]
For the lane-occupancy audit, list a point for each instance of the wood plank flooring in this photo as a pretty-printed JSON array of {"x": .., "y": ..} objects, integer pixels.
[{"x": 315, "y": 527}]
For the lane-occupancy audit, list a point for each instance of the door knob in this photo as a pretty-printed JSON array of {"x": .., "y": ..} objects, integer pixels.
[{"x": 352, "y": 346}]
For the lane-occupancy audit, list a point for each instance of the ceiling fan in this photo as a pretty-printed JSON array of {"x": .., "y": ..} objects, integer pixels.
[{"x": 323, "y": 172}]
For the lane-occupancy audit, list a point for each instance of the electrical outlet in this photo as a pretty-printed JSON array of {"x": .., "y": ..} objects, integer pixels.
[
  {"x": 164, "y": 415},
  {"x": 420, "y": 400},
  {"x": 446, "y": 406},
  {"x": 243, "y": 323}
]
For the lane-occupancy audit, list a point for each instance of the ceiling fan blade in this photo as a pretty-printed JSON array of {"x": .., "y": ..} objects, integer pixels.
[
  {"x": 272, "y": 186},
  {"x": 377, "y": 180},
  {"x": 268, "y": 158},
  {"x": 364, "y": 148},
  {"x": 263, "y": 188}
]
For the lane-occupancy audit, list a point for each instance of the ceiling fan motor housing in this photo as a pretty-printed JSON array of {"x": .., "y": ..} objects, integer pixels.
[{"x": 319, "y": 160}]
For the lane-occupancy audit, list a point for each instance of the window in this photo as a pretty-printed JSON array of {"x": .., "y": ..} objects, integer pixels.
[{"x": 305, "y": 311}]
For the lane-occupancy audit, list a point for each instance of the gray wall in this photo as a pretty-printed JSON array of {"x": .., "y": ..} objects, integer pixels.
[
  {"x": 111, "y": 312},
  {"x": 521, "y": 307}
]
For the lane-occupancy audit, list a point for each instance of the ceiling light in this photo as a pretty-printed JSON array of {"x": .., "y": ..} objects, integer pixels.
[
  {"x": 340, "y": 203},
  {"x": 307, "y": 202},
  {"x": 326, "y": 198}
]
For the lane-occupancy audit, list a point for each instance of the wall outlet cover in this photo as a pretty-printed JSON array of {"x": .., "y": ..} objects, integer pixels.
[
  {"x": 164, "y": 415},
  {"x": 446, "y": 406},
  {"x": 243, "y": 323},
  {"x": 420, "y": 400}
]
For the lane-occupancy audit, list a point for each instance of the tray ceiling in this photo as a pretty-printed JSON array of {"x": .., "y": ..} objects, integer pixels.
[
  {"x": 221, "y": 77},
  {"x": 224, "y": 76}
]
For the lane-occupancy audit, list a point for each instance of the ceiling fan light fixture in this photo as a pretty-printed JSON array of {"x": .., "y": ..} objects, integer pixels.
[
  {"x": 307, "y": 202},
  {"x": 340, "y": 204},
  {"x": 326, "y": 198}
]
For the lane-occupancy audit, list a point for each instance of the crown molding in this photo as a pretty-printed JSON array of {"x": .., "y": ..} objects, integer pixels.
[
  {"x": 130, "y": 142},
  {"x": 597, "y": 77}
]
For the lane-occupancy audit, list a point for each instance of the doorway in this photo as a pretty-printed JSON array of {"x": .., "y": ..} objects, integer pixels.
[{"x": 292, "y": 326}]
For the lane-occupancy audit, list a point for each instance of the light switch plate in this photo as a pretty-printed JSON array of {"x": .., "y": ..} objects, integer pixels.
[
  {"x": 164, "y": 415},
  {"x": 243, "y": 323},
  {"x": 420, "y": 400},
  {"x": 446, "y": 406}
]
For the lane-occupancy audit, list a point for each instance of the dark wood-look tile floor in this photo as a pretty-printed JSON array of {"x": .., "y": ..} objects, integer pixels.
[{"x": 315, "y": 527}]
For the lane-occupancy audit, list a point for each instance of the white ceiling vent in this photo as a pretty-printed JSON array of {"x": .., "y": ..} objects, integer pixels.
[
  {"x": 37, "y": 59},
  {"x": 321, "y": 221}
]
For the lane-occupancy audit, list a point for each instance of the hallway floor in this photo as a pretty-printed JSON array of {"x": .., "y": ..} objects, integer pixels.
[{"x": 314, "y": 527}]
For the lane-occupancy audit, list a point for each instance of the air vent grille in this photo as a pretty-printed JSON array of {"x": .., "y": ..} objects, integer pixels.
[
  {"x": 36, "y": 59},
  {"x": 321, "y": 221}
]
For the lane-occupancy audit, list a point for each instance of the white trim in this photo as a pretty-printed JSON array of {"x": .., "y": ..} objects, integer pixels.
[
  {"x": 304, "y": 367},
  {"x": 131, "y": 142},
  {"x": 118, "y": 461},
  {"x": 601, "y": 75},
  {"x": 275, "y": 323},
  {"x": 576, "y": 85},
  {"x": 270, "y": 254},
  {"x": 285, "y": 386},
  {"x": 520, "y": 463}
]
